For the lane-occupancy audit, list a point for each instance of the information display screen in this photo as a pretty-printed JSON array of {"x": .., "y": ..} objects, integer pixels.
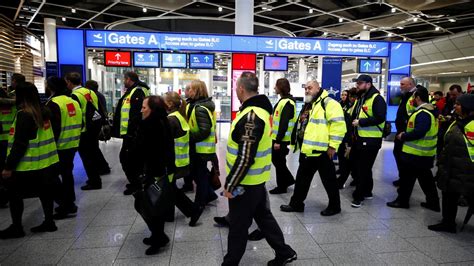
[
  {"x": 395, "y": 94},
  {"x": 173, "y": 60},
  {"x": 144, "y": 59},
  {"x": 369, "y": 66},
  {"x": 201, "y": 61},
  {"x": 117, "y": 59},
  {"x": 275, "y": 63}
]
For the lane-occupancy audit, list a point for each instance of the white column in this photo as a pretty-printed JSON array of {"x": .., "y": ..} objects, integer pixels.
[
  {"x": 261, "y": 77},
  {"x": 320, "y": 69},
  {"x": 206, "y": 76},
  {"x": 229, "y": 78},
  {"x": 302, "y": 71},
  {"x": 244, "y": 17},
  {"x": 50, "y": 51},
  {"x": 175, "y": 79}
]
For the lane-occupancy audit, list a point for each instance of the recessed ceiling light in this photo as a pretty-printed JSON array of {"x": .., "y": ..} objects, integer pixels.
[
  {"x": 389, "y": 34},
  {"x": 415, "y": 19},
  {"x": 394, "y": 10},
  {"x": 220, "y": 9},
  {"x": 144, "y": 10},
  {"x": 365, "y": 27},
  {"x": 452, "y": 20},
  {"x": 404, "y": 38},
  {"x": 325, "y": 33},
  {"x": 437, "y": 28},
  {"x": 63, "y": 19},
  {"x": 73, "y": 10},
  {"x": 400, "y": 28},
  {"x": 310, "y": 11},
  {"x": 341, "y": 19}
]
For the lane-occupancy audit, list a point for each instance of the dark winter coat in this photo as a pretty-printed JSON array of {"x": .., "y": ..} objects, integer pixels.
[{"x": 203, "y": 120}]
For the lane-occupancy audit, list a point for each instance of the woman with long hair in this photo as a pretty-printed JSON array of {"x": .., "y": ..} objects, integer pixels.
[{"x": 30, "y": 167}]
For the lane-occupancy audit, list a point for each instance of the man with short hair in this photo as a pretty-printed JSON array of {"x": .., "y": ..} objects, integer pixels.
[
  {"x": 418, "y": 151},
  {"x": 126, "y": 120},
  {"x": 248, "y": 167}
]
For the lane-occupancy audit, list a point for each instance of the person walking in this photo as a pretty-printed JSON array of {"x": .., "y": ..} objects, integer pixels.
[
  {"x": 418, "y": 152},
  {"x": 30, "y": 167},
  {"x": 344, "y": 150},
  {"x": 319, "y": 132},
  {"x": 283, "y": 122},
  {"x": 66, "y": 121},
  {"x": 248, "y": 164}
]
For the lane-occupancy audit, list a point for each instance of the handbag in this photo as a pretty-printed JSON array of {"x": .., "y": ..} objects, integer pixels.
[
  {"x": 214, "y": 180},
  {"x": 150, "y": 199}
]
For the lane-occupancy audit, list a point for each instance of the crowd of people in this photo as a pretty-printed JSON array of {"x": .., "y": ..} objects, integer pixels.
[{"x": 165, "y": 138}]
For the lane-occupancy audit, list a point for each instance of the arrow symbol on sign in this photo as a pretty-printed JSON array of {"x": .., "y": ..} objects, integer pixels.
[
  {"x": 179, "y": 58},
  {"x": 117, "y": 55},
  {"x": 151, "y": 57},
  {"x": 206, "y": 59},
  {"x": 367, "y": 65},
  {"x": 169, "y": 58}
]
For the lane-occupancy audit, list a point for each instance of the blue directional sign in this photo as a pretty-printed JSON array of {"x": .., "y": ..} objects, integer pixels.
[
  {"x": 173, "y": 60},
  {"x": 201, "y": 61},
  {"x": 370, "y": 66},
  {"x": 143, "y": 59}
]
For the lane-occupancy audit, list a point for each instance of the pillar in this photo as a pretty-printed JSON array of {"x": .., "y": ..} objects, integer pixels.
[
  {"x": 302, "y": 71},
  {"x": 244, "y": 17},
  {"x": 50, "y": 40}
]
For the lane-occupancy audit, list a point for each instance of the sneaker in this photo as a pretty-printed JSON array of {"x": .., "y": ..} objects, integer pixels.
[
  {"x": 369, "y": 197},
  {"x": 12, "y": 232},
  {"x": 44, "y": 227},
  {"x": 356, "y": 204},
  {"x": 278, "y": 260},
  {"x": 221, "y": 221},
  {"x": 442, "y": 227},
  {"x": 398, "y": 204}
]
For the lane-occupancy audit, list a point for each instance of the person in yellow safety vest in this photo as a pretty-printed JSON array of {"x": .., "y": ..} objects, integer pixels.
[
  {"x": 180, "y": 131},
  {"x": 7, "y": 114},
  {"x": 30, "y": 168},
  {"x": 126, "y": 119},
  {"x": 418, "y": 152},
  {"x": 89, "y": 140},
  {"x": 319, "y": 132},
  {"x": 283, "y": 121},
  {"x": 405, "y": 109},
  {"x": 202, "y": 122},
  {"x": 368, "y": 122},
  {"x": 248, "y": 165},
  {"x": 455, "y": 176},
  {"x": 66, "y": 121}
]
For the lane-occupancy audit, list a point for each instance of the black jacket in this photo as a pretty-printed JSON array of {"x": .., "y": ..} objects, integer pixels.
[
  {"x": 204, "y": 123},
  {"x": 402, "y": 116},
  {"x": 286, "y": 115},
  {"x": 379, "y": 110},
  {"x": 422, "y": 124},
  {"x": 135, "y": 115},
  {"x": 177, "y": 131},
  {"x": 247, "y": 133},
  {"x": 55, "y": 116}
]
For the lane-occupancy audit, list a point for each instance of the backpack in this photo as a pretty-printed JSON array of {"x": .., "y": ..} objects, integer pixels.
[{"x": 94, "y": 119}]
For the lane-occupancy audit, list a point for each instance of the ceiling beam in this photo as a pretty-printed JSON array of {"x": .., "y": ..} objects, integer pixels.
[
  {"x": 20, "y": 5},
  {"x": 36, "y": 13},
  {"x": 100, "y": 13},
  {"x": 86, "y": 10}
]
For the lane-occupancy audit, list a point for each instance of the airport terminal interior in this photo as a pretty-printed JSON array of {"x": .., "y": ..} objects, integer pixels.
[{"x": 170, "y": 44}]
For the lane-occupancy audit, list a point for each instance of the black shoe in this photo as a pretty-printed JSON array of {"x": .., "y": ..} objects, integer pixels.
[
  {"x": 62, "y": 216},
  {"x": 213, "y": 198},
  {"x": 222, "y": 221},
  {"x": 398, "y": 204},
  {"x": 196, "y": 216},
  {"x": 353, "y": 183},
  {"x": 396, "y": 183},
  {"x": 129, "y": 191},
  {"x": 289, "y": 208},
  {"x": 278, "y": 190},
  {"x": 256, "y": 235},
  {"x": 462, "y": 202},
  {"x": 147, "y": 241},
  {"x": 442, "y": 227},
  {"x": 187, "y": 188},
  {"x": 91, "y": 187},
  {"x": 70, "y": 209},
  {"x": 12, "y": 232},
  {"x": 44, "y": 227},
  {"x": 105, "y": 171},
  {"x": 431, "y": 206},
  {"x": 356, "y": 204},
  {"x": 152, "y": 250},
  {"x": 340, "y": 185},
  {"x": 330, "y": 212},
  {"x": 278, "y": 260}
]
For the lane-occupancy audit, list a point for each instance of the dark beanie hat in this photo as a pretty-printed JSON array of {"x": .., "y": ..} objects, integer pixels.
[{"x": 466, "y": 101}]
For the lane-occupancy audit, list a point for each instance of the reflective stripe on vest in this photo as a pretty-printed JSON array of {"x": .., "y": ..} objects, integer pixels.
[
  {"x": 469, "y": 139},
  {"x": 277, "y": 116},
  {"x": 370, "y": 131},
  {"x": 259, "y": 171},
  {"x": 71, "y": 122},
  {"x": 85, "y": 95},
  {"x": 125, "y": 110},
  {"x": 207, "y": 146},
  {"x": 181, "y": 144},
  {"x": 425, "y": 146},
  {"x": 41, "y": 151},
  {"x": 7, "y": 114}
]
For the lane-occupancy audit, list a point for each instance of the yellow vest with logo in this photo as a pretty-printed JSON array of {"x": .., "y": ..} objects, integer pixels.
[
  {"x": 425, "y": 146},
  {"x": 125, "y": 110},
  {"x": 207, "y": 146},
  {"x": 71, "y": 122},
  {"x": 370, "y": 131},
  {"x": 410, "y": 105},
  {"x": 6, "y": 120},
  {"x": 259, "y": 171},
  {"x": 326, "y": 126},
  {"x": 181, "y": 144},
  {"x": 276, "y": 119},
  {"x": 85, "y": 95},
  {"x": 41, "y": 151},
  {"x": 469, "y": 139}
]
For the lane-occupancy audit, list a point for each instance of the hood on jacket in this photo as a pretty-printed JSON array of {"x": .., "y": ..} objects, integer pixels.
[
  {"x": 428, "y": 107},
  {"x": 259, "y": 100},
  {"x": 206, "y": 102},
  {"x": 142, "y": 84},
  {"x": 371, "y": 92}
]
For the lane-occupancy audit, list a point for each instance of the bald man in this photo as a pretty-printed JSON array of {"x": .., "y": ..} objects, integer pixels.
[{"x": 405, "y": 109}]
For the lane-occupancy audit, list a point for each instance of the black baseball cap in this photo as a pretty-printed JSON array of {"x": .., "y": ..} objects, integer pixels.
[
  {"x": 363, "y": 78},
  {"x": 466, "y": 101}
]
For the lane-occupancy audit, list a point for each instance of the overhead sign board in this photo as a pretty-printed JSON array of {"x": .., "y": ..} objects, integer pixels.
[
  {"x": 235, "y": 43},
  {"x": 117, "y": 59},
  {"x": 144, "y": 59},
  {"x": 369, "y": 66},
  {"x": 201, "y": 61},
  {"x": 173, "y": 60}
]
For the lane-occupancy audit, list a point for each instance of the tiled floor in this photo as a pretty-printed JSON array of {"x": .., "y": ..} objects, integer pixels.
[{"x": 107, "y": 230}]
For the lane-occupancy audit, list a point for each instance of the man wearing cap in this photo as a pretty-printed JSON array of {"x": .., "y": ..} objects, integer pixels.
[
  {"x": 405, "y": 109},
  {"x": 368, "y": 122},
  {"x": 418, "y": 151}
]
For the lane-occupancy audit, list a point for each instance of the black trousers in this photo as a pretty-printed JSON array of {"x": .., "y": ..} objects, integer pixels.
[
  {"x": 201, "y": 175},
  {"x": 3, "y": 157},
  {"x": 66, "y": 193},
  {"x": 397, "y": 153},
  {"x": 344, "y": 164},
  {"x": 182, "y": 202},
  {"x": 88, "y": 146},
  {"x": 253, "y": 204},
  {"x": 450, "y": 207},
  {"x": 417, "y": 167},
  {"x": 363, "y": 160},
  {"x": 284, "y": 178},
  {"x": 156, "y": 225},
  {"x": 306, "y": 170},
  {"x": 101, "y": 161},
  {"x": 130, "y": 163}
]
